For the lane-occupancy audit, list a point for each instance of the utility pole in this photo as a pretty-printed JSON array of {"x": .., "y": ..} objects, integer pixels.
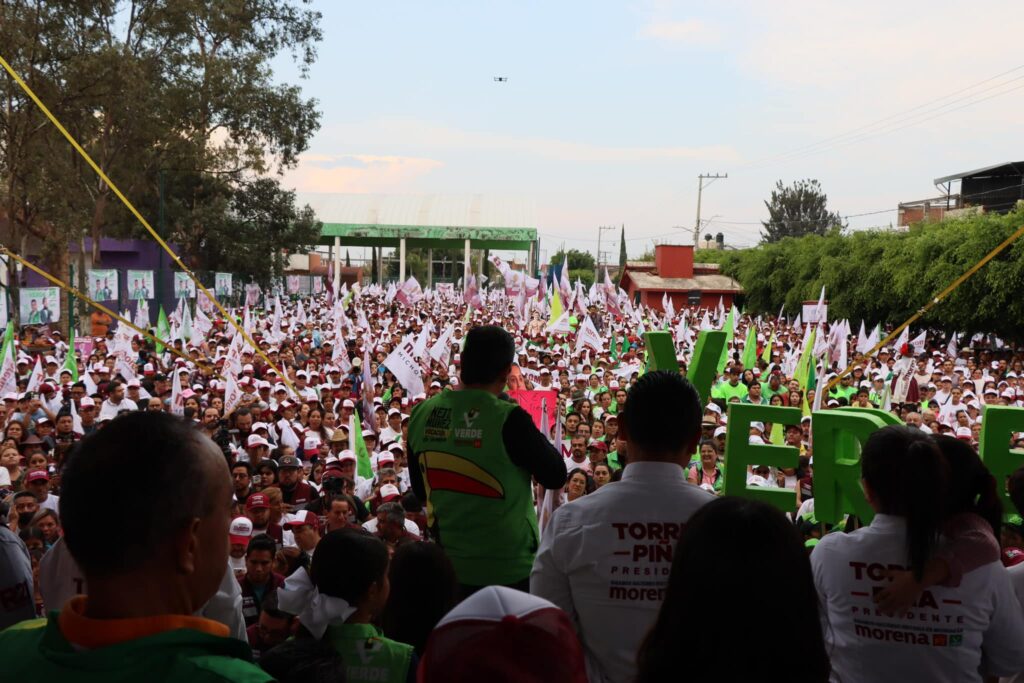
[
  {"x": 597, "y": 261},
  {"x": 700, "y": 190}
]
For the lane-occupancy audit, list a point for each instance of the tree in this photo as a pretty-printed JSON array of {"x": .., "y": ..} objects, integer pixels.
[
  {"x": 797, "y": 210},
  {"x": 173, "y": 96},
  {"x": 348, "y": 260},
  {"x": 885, "y": 276},
  {"x": 260, "y": 228},
  {"x": 578, "y": 260},
  {"x": 622, "y": 249}
]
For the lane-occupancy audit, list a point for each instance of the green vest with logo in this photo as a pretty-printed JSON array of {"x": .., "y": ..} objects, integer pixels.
[
  {"x": 37, "y": 650},
  {"x": 478, "y": 501},
  {"x": 368, "y": 655}
]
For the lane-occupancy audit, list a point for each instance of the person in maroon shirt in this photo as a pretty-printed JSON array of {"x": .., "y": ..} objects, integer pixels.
[
  {"x": 294, "y": 492},
  {"x": 259, "y": 580},
  {"x": 257, "y": 508}
]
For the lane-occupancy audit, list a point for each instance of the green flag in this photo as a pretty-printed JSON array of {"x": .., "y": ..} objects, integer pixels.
[
  {"x": 8, "y": 347},
  {"x": 163, "y": 329},
  {"x": 69, "y": 361},
  {"x": 750, "y": 348},
  {"x": 625, "y": 345},
  {"x": 766, "y": 355},
  {"x": 803, "y": 366},
  {"x": 729, "y": 334},
  {"x": 363, "y": 467},
  {"x": 613, "y": 350}
]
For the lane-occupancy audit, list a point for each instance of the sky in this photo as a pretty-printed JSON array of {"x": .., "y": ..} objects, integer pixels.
[{"x": 611, "y": 110}]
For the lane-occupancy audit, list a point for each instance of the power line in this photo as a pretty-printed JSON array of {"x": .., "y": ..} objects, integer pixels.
[
  {"x": 868, "y": 136},
  {"x": 879, "y": 211},
  {"x": 929, "y": 107}
]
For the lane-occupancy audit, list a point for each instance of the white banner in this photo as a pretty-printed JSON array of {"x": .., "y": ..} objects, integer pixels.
[{"x": 405, "y": 367}]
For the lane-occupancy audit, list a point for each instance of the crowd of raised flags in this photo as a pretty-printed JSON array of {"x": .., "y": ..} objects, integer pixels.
[
  {"x": 326, "y": 385},
  {"x": 575, "y": 333}
]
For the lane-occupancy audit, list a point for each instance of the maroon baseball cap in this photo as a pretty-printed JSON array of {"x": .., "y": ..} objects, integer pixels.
[
  {"x": 257, "y": 500},
  {"x": 1012, "y": 556},
  {"x": 37, "y": 475}
]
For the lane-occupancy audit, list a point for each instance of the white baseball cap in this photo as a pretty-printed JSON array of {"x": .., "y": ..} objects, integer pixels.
[{"x": 240, "y": 530}]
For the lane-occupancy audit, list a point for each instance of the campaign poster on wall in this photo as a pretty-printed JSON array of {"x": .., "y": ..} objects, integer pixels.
[
  {"x": 222, "y": 285},
  {"x": 140, "y": 284},
  {"x": 103, "y": 284},
  {"x": 184, "y": 287},
  {"x": 205, "y": 303},
  {"x": 39, "y": 305}
]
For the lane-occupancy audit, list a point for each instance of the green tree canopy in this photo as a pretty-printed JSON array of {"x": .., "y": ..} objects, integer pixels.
[
  {"x": 578, "y": 260},
  {"x": 885, "y": 276},
  {"x": 173, "y": 99},
  {"x": 798, "y": 209}
]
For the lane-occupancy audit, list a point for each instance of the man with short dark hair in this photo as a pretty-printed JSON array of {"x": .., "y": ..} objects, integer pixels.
[
  {"x": 341, "y": 513},
  {"x": 260, "y": 581},
  {"x": 116, "y": 402},
  {"x": 26, "y": 505},
  {"x": 294, "y": 492},
  {"x": 241, "y": 479},
  {"x": 146, "y": 581},
  {"x": 271, "y": 629},
  {"x": 472, "y": 457},
  {"x": 587, "y": 563}
]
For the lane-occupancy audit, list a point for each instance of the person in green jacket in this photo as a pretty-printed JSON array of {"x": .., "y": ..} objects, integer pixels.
[
  {"x": 336, "y": 601},
  {"x": 147, "y": 571},
  {"x": 472, "y": 458}
]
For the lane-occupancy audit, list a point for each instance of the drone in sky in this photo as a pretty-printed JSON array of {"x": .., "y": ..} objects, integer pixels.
[{"x": 501, "y": 79}]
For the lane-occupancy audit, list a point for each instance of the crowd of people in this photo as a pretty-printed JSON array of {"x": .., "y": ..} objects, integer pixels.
[{"x": 345, "y": 488}]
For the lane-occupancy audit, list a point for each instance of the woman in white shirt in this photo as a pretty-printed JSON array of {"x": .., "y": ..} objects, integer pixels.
[{"x": 943, "y": 635}]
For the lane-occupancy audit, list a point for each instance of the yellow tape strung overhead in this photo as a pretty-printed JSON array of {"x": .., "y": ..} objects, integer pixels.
[
  {"x": 95, "y": 304},
  {"x": 145, "y": 223},
  {"x": 927, "y": 307}
]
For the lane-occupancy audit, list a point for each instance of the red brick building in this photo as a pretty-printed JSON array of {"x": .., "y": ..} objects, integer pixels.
[{"x": 674, "y": 272}]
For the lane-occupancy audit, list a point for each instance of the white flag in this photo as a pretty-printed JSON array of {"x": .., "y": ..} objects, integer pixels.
[
  {"x": 904, "y": 338},
  {"x": 918, "y": 344},
  {"x": 232, "y": 394},
  {"x": 410, "y": 292},
  {"x": 36, "y": 378},
  {"x": 443, "y": 346},
  {"x": 76, "y": 420},
  {"x": 587, "y": 336},
  {"x": 402, "y": 363},
  {"x": 862, "y": 340},
  {"x": 201, "y": 325},
  {"x": 560, "y": 325},
  {"x": 8, "y": 373},
  {"x": 177, "y": 402}
]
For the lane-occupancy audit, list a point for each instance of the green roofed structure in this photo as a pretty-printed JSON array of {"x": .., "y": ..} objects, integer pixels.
[{"x": 425, "y": 222}]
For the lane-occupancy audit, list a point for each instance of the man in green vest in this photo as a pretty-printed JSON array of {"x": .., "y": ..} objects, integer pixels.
[
  {"x": 147, "y": 571},
  {"x": 471, "y": 458}
]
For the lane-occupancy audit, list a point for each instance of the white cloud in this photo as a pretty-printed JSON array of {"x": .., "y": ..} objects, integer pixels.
[
  {"x": 687, "y": 32},
  {"x": 359, "y": 173},
  {"x": 398, "y": 133}
]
